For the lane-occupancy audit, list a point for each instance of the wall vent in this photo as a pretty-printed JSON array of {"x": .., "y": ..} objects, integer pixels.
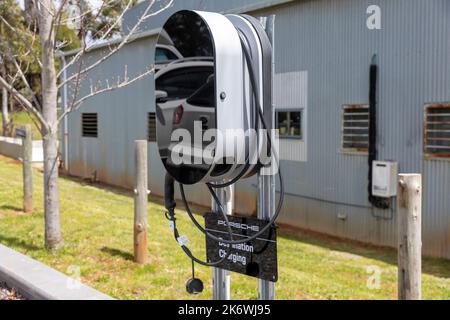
[
  {"x": 355, "y": 128},
  {"x": 437, "y": 131},
  {"x": 89, "y": 123},
  {"x": 151, "y": 127}
]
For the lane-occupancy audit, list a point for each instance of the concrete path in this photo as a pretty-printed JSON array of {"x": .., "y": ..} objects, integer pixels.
[{"x": 36, "y": 281}]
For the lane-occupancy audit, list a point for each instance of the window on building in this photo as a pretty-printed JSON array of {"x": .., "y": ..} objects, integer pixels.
[
  {"x": 89, "y": 124},
  {"x": 437, "y": 131},
  {"x": 355, "y": 128},
  {"x": 289, "y": 123},
  {"x": 151, "y": 127}
]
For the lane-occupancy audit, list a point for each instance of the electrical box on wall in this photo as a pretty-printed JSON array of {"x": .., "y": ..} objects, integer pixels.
[{"x": 384, "y": 179}]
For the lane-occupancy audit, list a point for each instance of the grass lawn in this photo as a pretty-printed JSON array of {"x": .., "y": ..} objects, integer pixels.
[
  {"x": 97, "y": 226},
  {"x": 21, "y": 118}
]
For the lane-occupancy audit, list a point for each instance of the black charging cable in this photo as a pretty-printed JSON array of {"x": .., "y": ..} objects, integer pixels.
[{"x": 170, "y": 205}]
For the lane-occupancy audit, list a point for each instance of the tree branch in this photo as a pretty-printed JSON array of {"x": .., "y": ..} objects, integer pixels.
[
  {"x": 40, "y": 3},
  {"x": 22, "y": 38},
  {"x": 105, "y": 4},
  {"x": 124, "y": 41},
  {"x": 27, "y": 85},
  {"x": 24, "y": 101},
  {"x": 120, "y": 84},
  {"x": 85, "y": 49}
]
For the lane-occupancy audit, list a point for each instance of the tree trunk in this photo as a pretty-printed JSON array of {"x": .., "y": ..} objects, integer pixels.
[
  {"x": 53, "y": 238},
  {"x": 5, "y": 115},
  {"x": 28, "y": 6}
]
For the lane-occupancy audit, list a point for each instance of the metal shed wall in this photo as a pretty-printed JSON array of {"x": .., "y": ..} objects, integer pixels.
[
  {"x": 229, "y": 6},
  {"x": 330, "y": 41}
]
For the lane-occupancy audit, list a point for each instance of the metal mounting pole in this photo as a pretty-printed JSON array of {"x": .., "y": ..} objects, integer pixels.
[
  {"x": 266, "y": 183},
  {"x": 221, "y": 278},
  {"x": 65, "y": 105},
  {"x": 266, "y": 208}
]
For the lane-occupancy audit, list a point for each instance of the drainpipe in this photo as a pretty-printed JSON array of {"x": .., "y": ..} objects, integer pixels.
[
  {"x": 65, "y": 120},
  {"x": 377, "y": 202}
]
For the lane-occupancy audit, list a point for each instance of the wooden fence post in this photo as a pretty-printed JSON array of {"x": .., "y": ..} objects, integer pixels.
[
  {"x": 141, "y": 203},
  {"x": 410, "y": 237},
  {"x": 27, "y": 158}
]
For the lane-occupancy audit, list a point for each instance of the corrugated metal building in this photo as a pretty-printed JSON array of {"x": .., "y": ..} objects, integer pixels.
[{"x": 323, "y": 50}]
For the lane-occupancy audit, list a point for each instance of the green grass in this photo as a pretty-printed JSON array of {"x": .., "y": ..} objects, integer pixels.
[
  {"x": 20, "y": 118},
  {"x": 97, "y": 225}
]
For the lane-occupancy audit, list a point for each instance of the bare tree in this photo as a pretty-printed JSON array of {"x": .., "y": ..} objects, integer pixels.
[
  {"x": 5, "y": 114},
  {"x": 48, "y": 16},
  {"x": 11, "y": 11}
]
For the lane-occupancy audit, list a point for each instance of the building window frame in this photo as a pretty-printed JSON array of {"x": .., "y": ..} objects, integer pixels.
[
  {"x": 436, "y": 131},
  {"x": 289, "y": 111}
]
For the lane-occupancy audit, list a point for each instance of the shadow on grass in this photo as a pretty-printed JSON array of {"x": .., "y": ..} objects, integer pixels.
[
  {"x": 117, "y": 190},
  {"x": 18, "y": 243},
  {"x": 100, "y": 185},
  {"x": 10, "y": 208},
  {"x": 118, "y": 253}
]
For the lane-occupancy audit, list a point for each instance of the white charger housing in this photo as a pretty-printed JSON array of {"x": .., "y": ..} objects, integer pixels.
[{"x": 206, "y": 40}]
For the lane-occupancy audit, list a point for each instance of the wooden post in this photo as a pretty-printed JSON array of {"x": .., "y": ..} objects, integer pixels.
[
  {"x": 27, "y": 147},
  {"x": 140, "y": 203},
  {"x": 410, "y": 237}
]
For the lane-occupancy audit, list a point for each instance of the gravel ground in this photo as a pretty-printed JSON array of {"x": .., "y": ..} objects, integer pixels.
[{"x": 8, "y": 294}]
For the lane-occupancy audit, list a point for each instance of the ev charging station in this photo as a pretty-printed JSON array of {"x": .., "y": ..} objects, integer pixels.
[{"x": 214, "y": 126}]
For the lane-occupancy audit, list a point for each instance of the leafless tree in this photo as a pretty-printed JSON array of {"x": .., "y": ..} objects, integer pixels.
[
  {"x": 48, "y": 16},
  {"x": 5, "y": 114}
]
